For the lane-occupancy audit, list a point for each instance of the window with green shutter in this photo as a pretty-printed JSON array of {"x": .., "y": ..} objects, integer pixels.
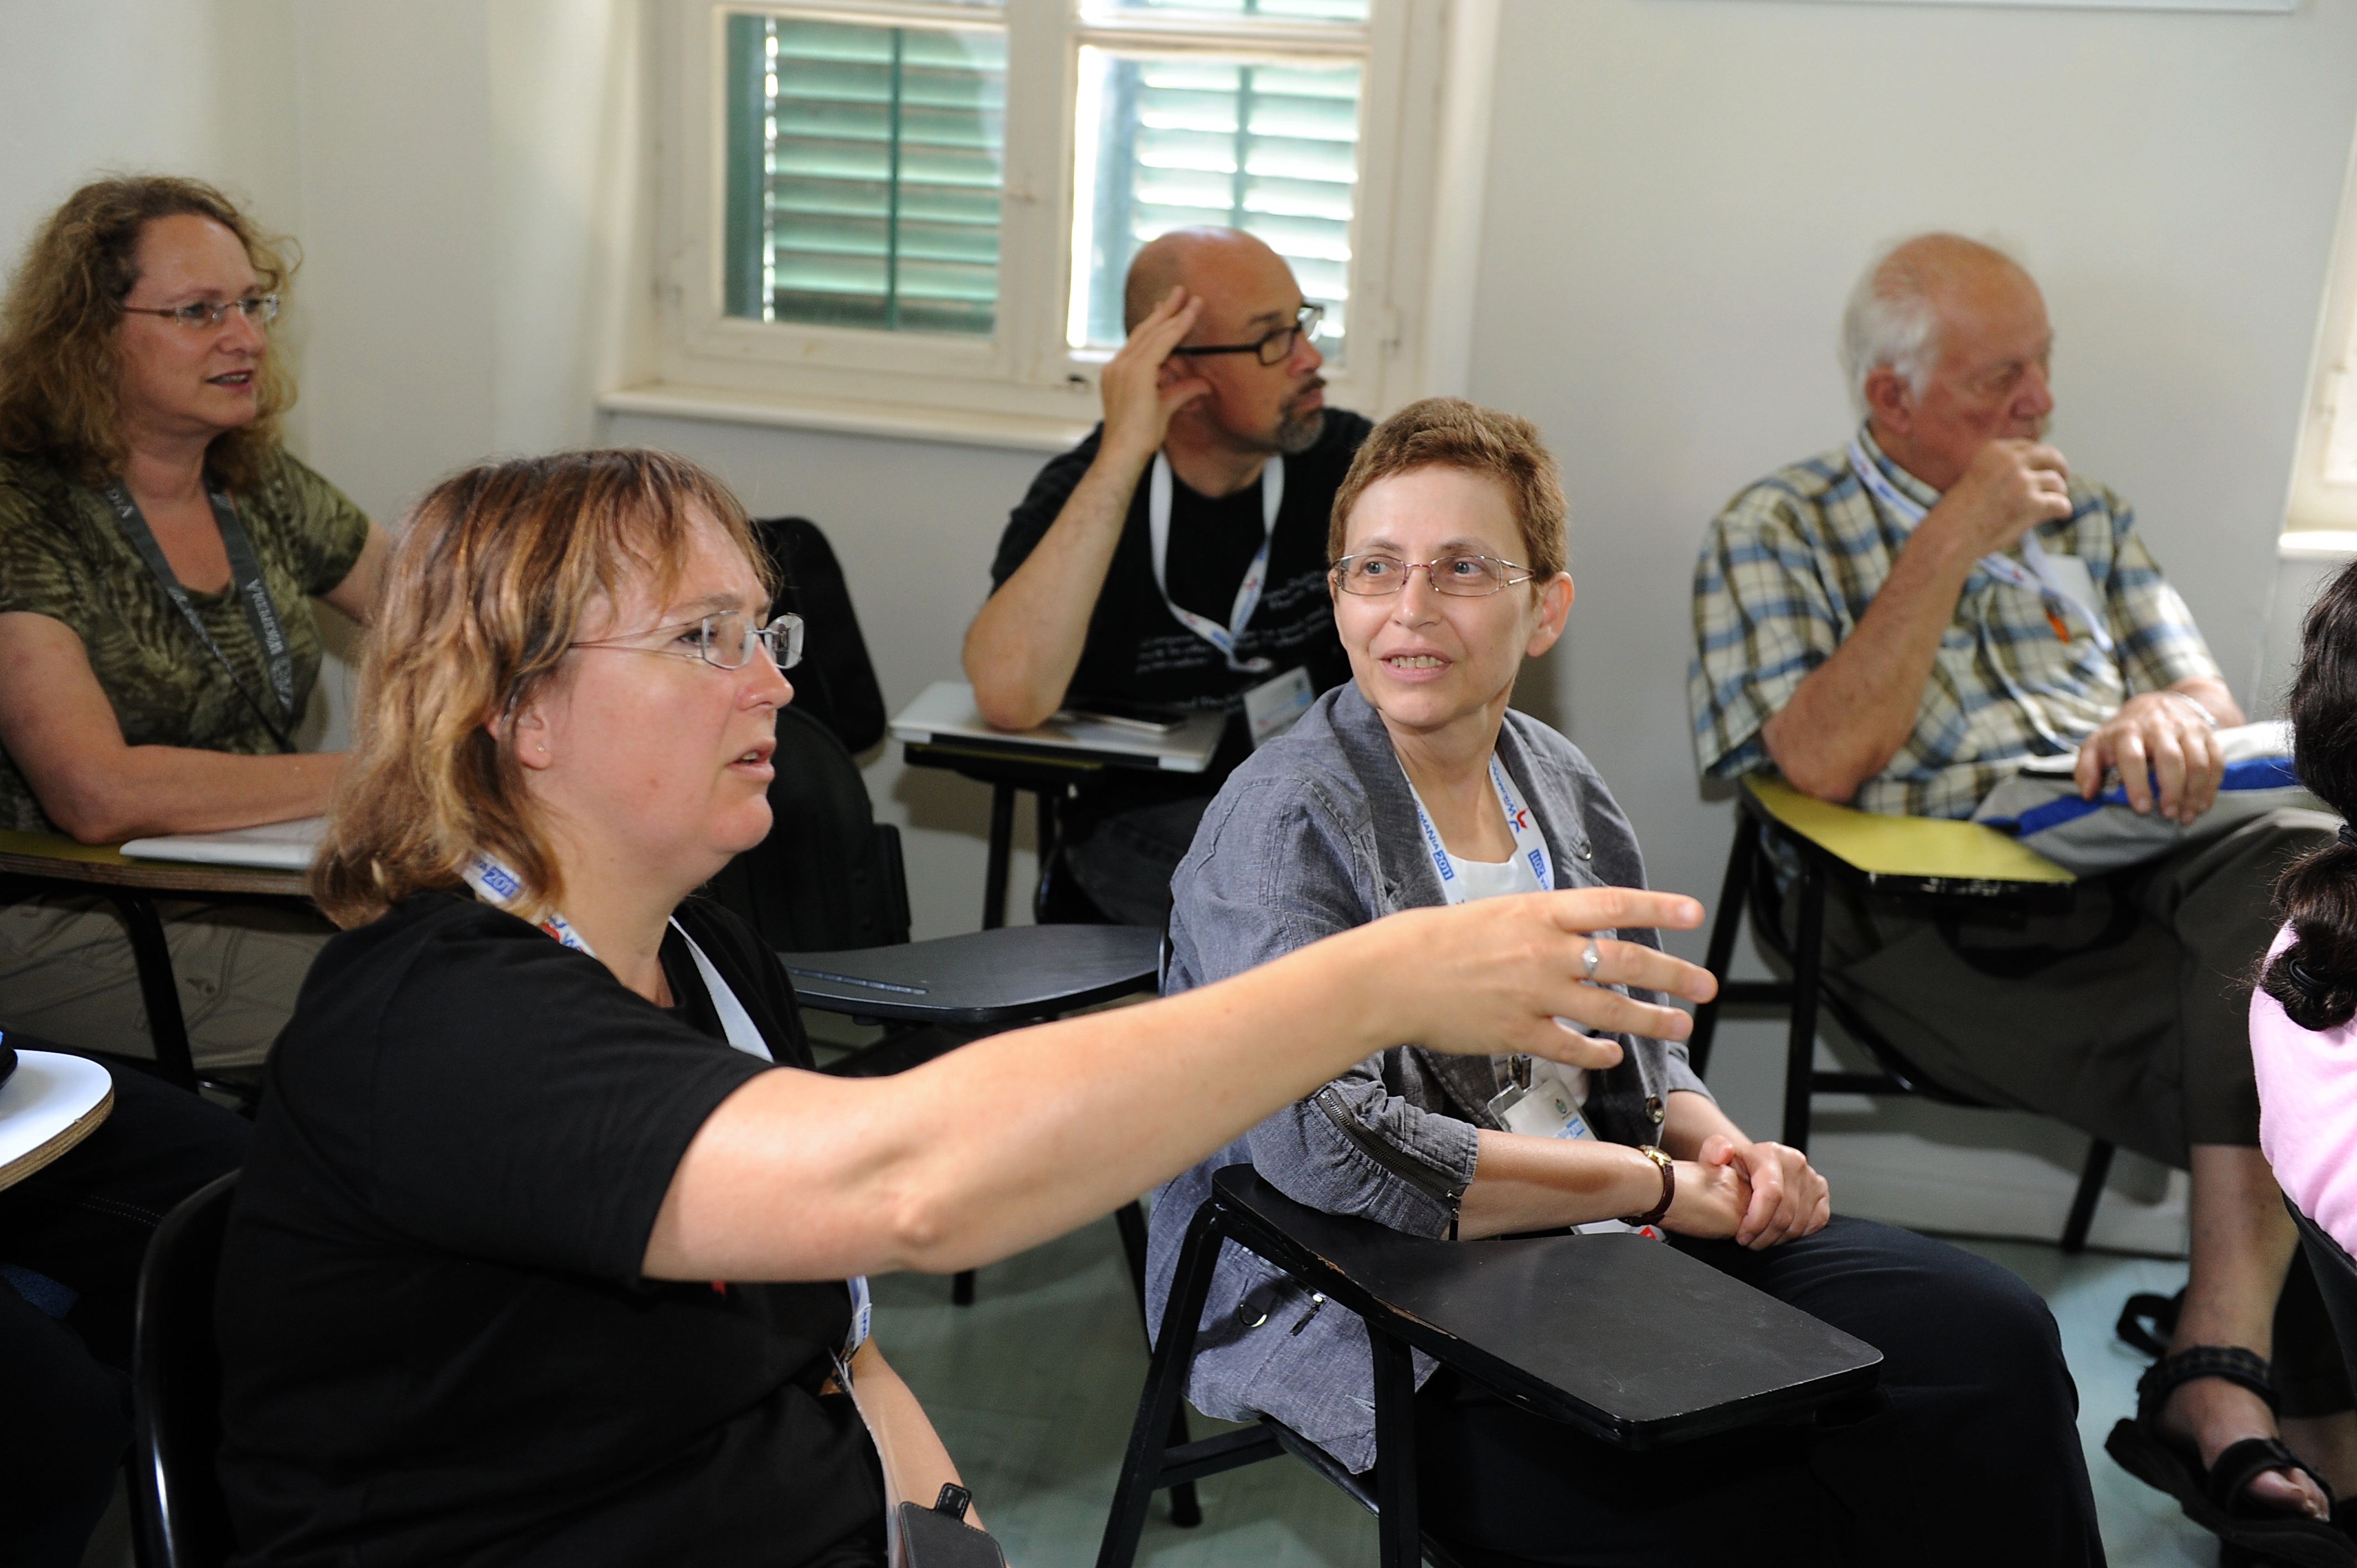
[
  {"x": 866, "y": 167},
  {"x": 1169, "y": 141}
]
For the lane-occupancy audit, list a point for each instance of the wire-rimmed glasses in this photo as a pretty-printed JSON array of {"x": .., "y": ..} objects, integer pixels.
[
  {"x": 201, "y": 315},
  {"x": 1461, "y": 577},
  {"x": 725, "y": 642},
  {"x": 1275, "y": 348}
]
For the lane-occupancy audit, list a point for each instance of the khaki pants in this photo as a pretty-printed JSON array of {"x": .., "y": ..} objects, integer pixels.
[
  {"x": 67, "y": 975},
  {"x": 2126, "y": 1016}
]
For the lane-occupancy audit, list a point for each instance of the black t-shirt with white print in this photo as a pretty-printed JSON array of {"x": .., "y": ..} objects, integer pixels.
[{"x": 1138, "y": 651}]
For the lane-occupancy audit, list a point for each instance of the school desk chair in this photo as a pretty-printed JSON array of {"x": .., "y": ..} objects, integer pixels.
[
  {"x": 1599, "y": 1332},
  {"x": 1931, "y": 867}
]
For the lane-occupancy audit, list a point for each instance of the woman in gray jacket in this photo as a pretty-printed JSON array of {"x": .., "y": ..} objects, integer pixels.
[{"x": 1416, "y": 786}]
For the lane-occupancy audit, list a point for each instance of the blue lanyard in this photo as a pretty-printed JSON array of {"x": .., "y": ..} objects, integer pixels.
[
  {"x": 1158, "y": 526},
  {"x": 1529, "y": 843}
]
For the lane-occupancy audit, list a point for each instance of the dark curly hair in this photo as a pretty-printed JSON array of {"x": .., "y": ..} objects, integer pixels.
[
  {"x": 2316, "y": 977},
  {"x": 59, "y": 371}
]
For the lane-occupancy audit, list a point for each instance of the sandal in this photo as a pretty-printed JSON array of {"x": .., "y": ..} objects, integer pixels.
[{"x": 2216, "y": 1501}]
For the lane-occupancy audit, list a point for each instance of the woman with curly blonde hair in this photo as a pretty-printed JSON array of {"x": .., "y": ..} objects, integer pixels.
[{"x": 159, "y": 549}]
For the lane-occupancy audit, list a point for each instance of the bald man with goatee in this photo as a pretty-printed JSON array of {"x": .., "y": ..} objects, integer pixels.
[
  {"x": 1176, "y": 558},
  {"x": 1899, "y": 623}
]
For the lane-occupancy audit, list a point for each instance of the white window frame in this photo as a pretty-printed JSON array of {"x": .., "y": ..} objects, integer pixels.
[
  {"x": 2323, "y": 493},
  {"x": 1023, "y": 385}
]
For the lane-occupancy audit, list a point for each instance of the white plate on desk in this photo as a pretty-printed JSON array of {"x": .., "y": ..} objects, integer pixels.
[
  {"x": 945, "y": 711},
  {"x": 275, "y": 846},
  {"x": 50, "y": 1102}
]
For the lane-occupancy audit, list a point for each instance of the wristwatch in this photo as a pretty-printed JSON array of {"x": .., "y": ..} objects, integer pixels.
[{"x": 1669, "y": 1187}]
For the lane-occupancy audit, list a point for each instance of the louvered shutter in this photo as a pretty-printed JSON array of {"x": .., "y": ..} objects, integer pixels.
[
  {"x": 1270, "y": 146},
  {"x": 866, "y": 163}
]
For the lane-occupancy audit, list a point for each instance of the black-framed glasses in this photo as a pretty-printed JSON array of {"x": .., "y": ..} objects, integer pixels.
[
  {"x": 1462, "y": 576},
  {"x": 725, "y": 642},
  {"x": 1274, "y": 348},
  {"x": 200, "y": 315}
]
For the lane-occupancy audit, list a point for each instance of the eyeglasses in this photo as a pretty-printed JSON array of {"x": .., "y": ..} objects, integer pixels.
[
  {"x": 1274, "y": 348},
  {"x": 1461, "y": 577},
  {"x": 724, "y": 641},
  {"x": 200, "y": 315}
]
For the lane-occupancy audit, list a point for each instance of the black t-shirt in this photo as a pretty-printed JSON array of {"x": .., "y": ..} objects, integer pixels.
[
  {"x": 1138, "y": 651},
  {"x": 436, "y": 1344}
]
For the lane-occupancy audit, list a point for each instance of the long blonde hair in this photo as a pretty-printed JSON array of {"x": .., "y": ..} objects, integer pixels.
[
  {"x": 486, "y": 591},
  {"x": 59, "y": 372}
]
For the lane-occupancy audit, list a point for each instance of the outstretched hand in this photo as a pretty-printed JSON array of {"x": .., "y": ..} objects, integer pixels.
[{"x": 1509, "y": 974}]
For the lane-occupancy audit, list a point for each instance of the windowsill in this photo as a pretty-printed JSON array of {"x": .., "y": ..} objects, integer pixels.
[
  {"x": 2317, "y": 544},
  {"x": 1019, "y": 432}
]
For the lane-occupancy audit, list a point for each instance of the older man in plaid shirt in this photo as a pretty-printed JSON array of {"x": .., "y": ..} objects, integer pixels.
[{"x": 1897, "y": 624}]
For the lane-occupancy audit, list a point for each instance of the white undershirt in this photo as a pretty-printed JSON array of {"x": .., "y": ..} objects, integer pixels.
[{"x": 1499, "y": 879}]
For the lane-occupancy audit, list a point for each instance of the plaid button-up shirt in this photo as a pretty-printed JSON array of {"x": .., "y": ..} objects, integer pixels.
[{"x": 1788, "y": 569}]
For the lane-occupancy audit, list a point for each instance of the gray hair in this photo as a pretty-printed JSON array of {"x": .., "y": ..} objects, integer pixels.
[{"x": 1891, "y": 320}]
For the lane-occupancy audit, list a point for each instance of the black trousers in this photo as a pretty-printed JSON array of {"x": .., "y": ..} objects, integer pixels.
[
  {"x": 1967, "y": 1453},
  {"x": 76, "y": 1230}
]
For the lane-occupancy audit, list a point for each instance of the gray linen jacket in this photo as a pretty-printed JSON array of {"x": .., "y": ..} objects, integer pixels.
[{"x": 1314, "y": 834}]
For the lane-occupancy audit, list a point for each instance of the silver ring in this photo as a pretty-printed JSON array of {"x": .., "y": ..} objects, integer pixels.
[{"x": 1591, "y": 959}]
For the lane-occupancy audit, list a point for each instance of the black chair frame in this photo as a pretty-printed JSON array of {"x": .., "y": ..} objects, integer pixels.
[
  {"x": 1750, "y": 886},
  {"x": 179, "y": 1515},
  {"x": 1814, "y": 1365}
]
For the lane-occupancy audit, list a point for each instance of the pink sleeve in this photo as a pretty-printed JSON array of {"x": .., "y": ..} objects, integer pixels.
[{"x": 2308, "y": 1111}]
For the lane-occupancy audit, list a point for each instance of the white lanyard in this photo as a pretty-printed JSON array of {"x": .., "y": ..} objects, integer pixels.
[
  {"x": 1529, "y": 843},
  {"x": 499, "y": 885},
  {"x": 1157, "y": 525},
  {"x": 2039, "y": 577}
]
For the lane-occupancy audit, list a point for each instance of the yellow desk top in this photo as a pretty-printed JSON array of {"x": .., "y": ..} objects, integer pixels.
[
  {"x": 55, "y": 855},
  {"x": 1929, "y": 847},
  {"x": 57, "y": 846}
]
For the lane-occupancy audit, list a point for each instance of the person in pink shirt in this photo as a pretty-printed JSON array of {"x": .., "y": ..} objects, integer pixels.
[{"x": 2303, "y": 1042}]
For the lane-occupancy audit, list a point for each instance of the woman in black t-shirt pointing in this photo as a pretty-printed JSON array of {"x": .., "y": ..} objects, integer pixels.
[{"x": 550, "y": 1246}]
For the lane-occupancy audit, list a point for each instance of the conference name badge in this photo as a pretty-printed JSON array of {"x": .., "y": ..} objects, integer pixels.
[{"x": 1272, "y": 707}]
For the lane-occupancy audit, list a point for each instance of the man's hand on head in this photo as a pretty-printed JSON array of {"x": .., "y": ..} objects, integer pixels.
[
  {"x": 2011, "y": 486},
  {"x": 1144, "y": 383},
  {"x": 2167, "y": 738}
]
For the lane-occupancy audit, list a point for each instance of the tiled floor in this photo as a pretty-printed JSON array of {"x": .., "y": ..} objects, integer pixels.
[{"x": 1034, "y": 1386}]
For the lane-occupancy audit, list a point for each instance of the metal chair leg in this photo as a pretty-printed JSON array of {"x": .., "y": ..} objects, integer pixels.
[
  {"x": 1186, "y": 1510},
  {"x": 159, "y": 991},
  {"x": 1166, "y": 1383},
  {"x": 1801, "y": 1042},
  {"x": 1733, "y": 890},
  {"x": 1402, "y": 1541},
  {"x": 1002, "y": 839},
  {"x": 2097, "y": 1171}
]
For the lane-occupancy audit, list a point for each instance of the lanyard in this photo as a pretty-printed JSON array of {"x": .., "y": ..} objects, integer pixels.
[
  {"x": 499, "y": 885},
  {"x": 1529, "y": 843},
  {"x": 2039, "y": 577},
  {"x": 245, "y": 582},
  {"x": 1158, "y": 524}
]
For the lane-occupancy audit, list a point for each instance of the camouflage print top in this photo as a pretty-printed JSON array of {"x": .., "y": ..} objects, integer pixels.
[{"x": 62, "y": 554}]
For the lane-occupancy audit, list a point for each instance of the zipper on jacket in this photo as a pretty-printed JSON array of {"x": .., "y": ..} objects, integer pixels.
[{"x": 1431, "y": 1182}]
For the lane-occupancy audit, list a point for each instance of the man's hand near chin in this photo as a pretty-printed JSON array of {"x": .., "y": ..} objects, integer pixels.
[{"x": 2165, "y": 738}]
